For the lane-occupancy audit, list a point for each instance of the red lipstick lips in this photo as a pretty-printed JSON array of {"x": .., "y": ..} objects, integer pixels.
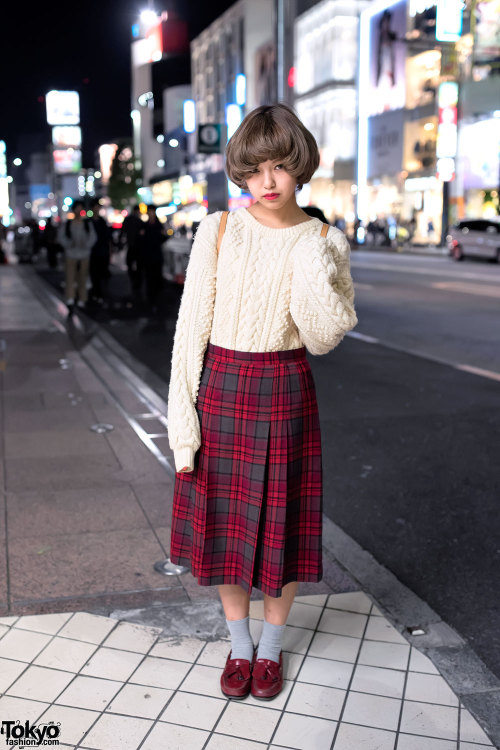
[{"x": 271, "y": 196}]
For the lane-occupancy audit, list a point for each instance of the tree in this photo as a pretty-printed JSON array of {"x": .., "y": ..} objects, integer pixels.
[{"x": 125, "y": 179}]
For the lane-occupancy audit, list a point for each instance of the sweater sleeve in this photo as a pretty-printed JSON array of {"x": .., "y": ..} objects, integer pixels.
[
  {"x": 192, "y": 333},
  {"x": 322, "y": 293}
]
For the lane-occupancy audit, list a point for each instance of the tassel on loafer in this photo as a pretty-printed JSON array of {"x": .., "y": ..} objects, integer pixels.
[
  {"x": 267, "y": 678},
  {"x": 236, "y": 679}
]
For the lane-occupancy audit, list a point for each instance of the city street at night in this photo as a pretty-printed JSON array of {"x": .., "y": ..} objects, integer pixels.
[{"x": 250, "y": 375}]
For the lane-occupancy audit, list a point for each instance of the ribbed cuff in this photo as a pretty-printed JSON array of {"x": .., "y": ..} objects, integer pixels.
[{"x": 184, "y": 457}]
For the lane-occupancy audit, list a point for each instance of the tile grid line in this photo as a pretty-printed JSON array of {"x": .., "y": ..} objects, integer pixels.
[
  {"x": 53, "y": 703},
  {"x": 174, "y": 692},
  {"x": 403, "y": 694},
  {"x": 184, "y": 661},
  {"x": 117, "y": 648},
  {"x": 348, "y": 689},
  {"x": 294, "y": 681},
  {"x": 125, "y": 683},
  {"x": 30, "y": 664}
]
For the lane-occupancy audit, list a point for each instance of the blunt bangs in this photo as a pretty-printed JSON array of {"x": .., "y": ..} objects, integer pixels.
[{"x": 272, "y": 132}]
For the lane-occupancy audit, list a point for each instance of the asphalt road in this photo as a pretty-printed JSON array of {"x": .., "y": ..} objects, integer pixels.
[{"x": 410, "y": 411}]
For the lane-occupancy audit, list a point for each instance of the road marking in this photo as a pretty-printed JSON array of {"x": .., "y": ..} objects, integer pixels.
[
  {"x": 490, "y": 374},
  {"x": 364, "y": 337},
  {"x": 467, "y": 288},
  {"x": 360, "y": 285},
  {"x": 479, "y": 371},
  {"x": 422, "y": 271}
]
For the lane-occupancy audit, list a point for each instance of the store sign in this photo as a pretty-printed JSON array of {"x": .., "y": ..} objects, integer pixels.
[
  {"x": 162, "y": 193},
  {"x": 67, "y": 160},
  {"x": 449, "y": 20},
  {"x": 387, "y": 58},
  {"x": 385, "y": 144},
  {"x": 447, "y": 122},
  {"x": 39, "y": 192},
  {"x": 63, "y": 107},
  {"x": 486, "y": 32},
  {"x": 209, "y": 139},
  {"x": 479, "y": 149},
  {"x": 66, "y": 136},
  {"x": 4, "y": 185},
  {"x": 3, "y": 159}
]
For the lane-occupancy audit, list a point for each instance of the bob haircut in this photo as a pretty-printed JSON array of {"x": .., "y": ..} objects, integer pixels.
[{"x": 274, "y": 132}]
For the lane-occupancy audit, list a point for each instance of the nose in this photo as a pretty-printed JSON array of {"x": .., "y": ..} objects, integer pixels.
[{"x": 269, "y": 180}]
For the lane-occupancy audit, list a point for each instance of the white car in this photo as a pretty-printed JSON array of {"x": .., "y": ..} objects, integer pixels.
[{"x": 479, "y": 237}]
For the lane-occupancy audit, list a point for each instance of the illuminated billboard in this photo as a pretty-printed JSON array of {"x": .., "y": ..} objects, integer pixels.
[
  {"x": 382, "y": 87},
  {"x": 486, "y": 20},
  {"x": 480, "y": 153},
  {"x": 67, "y": 160},
  {"x": 63, "y": 107},
  {"x": 67, "y": 136},
  {"x": 387, "y": 56},
  {"x": 449, "y": 20}
]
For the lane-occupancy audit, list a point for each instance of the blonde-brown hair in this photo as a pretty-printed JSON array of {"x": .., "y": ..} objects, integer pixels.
[{"x": 274, "y": 132}]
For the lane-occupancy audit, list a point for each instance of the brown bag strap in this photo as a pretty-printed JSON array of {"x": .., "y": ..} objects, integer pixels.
[
  {"x": 222, "y": 229},
  {"x": 324, "y": 230}
]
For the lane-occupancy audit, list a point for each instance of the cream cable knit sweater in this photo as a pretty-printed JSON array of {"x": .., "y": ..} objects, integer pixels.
[{"x": 269, "y": 290}]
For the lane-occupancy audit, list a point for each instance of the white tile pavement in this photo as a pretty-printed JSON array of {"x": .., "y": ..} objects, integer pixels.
[{"x": 352, "y": 683}]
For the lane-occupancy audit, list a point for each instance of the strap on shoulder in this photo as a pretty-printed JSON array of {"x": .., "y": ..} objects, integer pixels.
[
  {"x": 324, "y": 230},
  {"x": 222, "y": 229}
]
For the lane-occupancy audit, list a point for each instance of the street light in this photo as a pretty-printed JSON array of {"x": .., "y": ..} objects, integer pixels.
[{"x": 148, "y": 17}]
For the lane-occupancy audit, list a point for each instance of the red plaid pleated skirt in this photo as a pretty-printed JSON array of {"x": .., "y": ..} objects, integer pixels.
[{"x": 250, "y": 513}]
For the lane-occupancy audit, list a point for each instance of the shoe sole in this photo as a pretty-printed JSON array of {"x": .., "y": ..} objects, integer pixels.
[
  {"x": 262, "y": 698},
  {"x": 235, "y": 697}
]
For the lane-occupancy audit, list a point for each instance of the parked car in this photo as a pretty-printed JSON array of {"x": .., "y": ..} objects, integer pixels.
[{"x": 479, "y": 237}]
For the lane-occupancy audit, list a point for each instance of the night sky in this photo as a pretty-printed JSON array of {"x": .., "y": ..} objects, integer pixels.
[{"x": 83, "y": 46}]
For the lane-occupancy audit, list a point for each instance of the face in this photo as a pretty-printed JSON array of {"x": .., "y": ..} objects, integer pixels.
[{"x": 271, "y": 185}]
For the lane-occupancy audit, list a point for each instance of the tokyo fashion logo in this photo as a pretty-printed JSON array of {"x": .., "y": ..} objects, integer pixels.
[{"x": 23, "y": 735}]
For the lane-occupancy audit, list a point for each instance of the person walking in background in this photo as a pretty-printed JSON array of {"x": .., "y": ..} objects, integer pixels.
[
  {"x": 262, "y": 284},
  {"x": 50, "y": 242},
  {"x": 151, "y": 238},
  {"x": 99, "y": 255},
  {"x": 131, "y": 227},
  {"x": 78, "y": 238}
]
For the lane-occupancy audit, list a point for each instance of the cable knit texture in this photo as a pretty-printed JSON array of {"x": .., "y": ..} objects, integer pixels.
[{"x": 269, "y": 290}]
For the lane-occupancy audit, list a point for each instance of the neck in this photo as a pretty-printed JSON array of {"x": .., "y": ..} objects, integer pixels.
[{"x": 288, "y": 215}]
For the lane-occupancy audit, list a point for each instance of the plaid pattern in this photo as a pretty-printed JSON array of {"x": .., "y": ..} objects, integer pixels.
[{"x": 251, "y": 511}]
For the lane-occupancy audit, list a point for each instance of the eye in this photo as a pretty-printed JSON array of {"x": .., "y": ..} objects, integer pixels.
[{"x": 279, "y": 166}]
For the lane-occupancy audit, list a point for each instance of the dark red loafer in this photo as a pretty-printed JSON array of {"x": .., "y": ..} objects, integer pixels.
[
  {"x": 236, "y": 679},
  {"x": 267, "y": 678}
]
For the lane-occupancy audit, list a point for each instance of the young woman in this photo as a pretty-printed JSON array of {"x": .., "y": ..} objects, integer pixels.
[{"x": 242, "y": 413}]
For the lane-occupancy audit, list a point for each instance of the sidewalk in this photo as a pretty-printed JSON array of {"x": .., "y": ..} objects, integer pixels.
[{"x": 124, "y": 657}]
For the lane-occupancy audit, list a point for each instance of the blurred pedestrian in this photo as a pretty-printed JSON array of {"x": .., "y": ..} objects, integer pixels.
[
  {"x": 99, "y": 255},
  {"x": 131, "y": 227},
  {"x": 50, "y": 242},
  {"x": 78, "y": 238},
  {"x": 315, "y": 212},
  {"x": 151, "y": 238}
]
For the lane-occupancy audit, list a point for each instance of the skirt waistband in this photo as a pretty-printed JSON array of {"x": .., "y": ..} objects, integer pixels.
[{"x": 231, "y": 355}]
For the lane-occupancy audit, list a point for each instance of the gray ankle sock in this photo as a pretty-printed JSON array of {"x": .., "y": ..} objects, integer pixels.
[
  {"x": 270, "y": 641},
  {"x": 241, "y": 641}
]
